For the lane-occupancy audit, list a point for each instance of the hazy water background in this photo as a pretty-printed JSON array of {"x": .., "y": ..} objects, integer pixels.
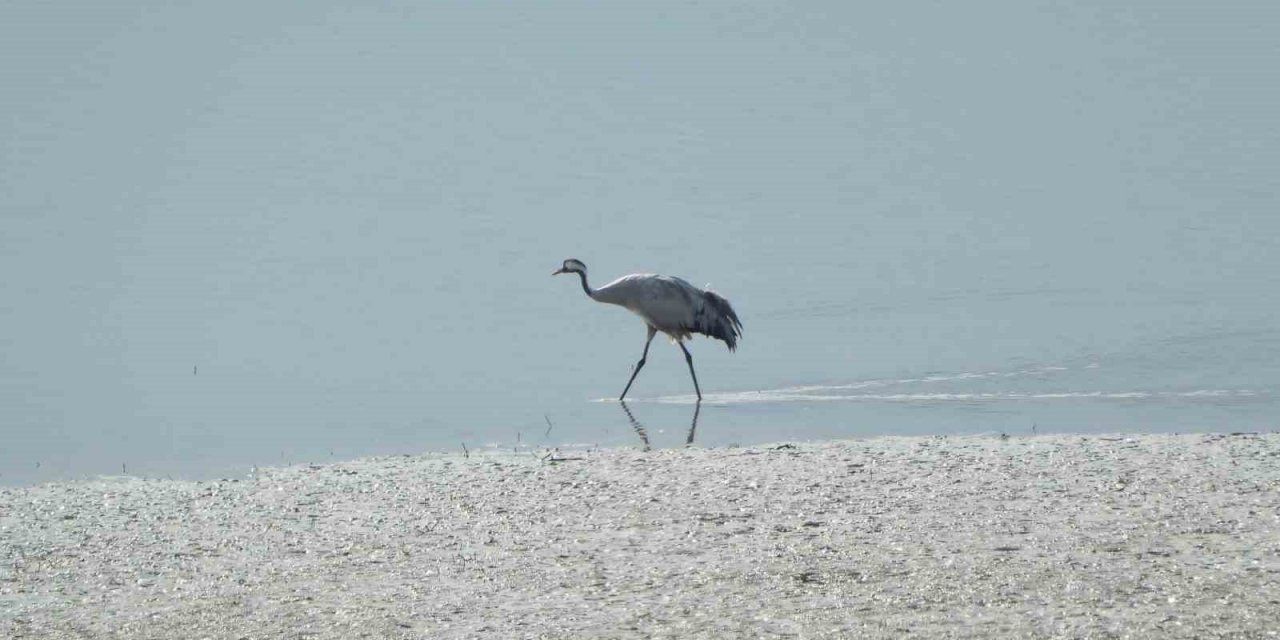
[{"x": 240, "y": 233}]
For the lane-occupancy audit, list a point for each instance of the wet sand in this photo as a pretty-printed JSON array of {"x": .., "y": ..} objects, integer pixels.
[{"x": 975, "y": 537}]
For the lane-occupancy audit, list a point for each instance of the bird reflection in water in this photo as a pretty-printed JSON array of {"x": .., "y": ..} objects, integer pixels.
[{"x": 644, "y": 433}]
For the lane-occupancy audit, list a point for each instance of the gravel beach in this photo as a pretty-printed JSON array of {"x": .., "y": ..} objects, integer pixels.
[{"x": 969, "y": 537}]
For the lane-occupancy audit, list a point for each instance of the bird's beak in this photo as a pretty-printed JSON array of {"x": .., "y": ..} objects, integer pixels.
[{"x": 559, "y": 271}]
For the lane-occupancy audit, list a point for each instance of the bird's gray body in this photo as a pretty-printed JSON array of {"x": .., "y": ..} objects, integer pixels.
[
  {"x": 667, "y": 304},
  {"x": 673, "y": 306}
]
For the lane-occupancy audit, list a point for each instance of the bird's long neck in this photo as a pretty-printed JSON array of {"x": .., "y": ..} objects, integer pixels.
[{"x": 585, "y": 287}]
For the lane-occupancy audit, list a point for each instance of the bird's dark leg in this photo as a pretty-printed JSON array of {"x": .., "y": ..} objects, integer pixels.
[
  {"x": 640, "y": 364},
  {"x": 689, "y": 359}
]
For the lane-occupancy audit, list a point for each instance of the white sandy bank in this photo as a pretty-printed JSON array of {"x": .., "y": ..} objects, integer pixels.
[{"x": 1071, "y": 536}]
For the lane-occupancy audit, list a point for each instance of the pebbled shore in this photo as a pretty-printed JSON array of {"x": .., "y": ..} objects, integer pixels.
[{"x": 968, "y": 537}]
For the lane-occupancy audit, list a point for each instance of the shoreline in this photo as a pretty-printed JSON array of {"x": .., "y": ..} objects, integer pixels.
[{"x": 950, "y": 536}]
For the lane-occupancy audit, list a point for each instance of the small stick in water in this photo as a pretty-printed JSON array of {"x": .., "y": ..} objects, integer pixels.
[
  {"x": 466, "y": 454},
  {"x": 548, "y": 433}
]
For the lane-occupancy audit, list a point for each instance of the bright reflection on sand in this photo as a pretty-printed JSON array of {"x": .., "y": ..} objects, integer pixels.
[
  {"x": 973, "y": 386},
  {"x": 828, "y": 394}
]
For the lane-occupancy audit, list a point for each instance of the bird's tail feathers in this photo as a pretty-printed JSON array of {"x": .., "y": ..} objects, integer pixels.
[{"x": 719, "y": 320}]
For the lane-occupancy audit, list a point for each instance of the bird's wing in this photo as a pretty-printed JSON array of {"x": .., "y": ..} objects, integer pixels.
[
  {"x": 674, "y": 306},
  {"x": 671, "y": 304},
  {"x": 668, "y": 303}
]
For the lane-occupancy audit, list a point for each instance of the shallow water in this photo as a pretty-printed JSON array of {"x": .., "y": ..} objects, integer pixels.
[{"x": 303, "y": 256}]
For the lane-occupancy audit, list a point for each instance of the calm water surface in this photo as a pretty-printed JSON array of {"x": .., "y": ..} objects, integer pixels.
[
  {"x": 328, "y": 232},
  {"x": 485, "y": 348}
]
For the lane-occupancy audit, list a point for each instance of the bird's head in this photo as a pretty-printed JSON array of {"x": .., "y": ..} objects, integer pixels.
[{"x": 571, "y": 266}]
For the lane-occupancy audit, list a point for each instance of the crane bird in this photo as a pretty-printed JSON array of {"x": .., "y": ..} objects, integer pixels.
[{"x": 669, "y": 305}]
